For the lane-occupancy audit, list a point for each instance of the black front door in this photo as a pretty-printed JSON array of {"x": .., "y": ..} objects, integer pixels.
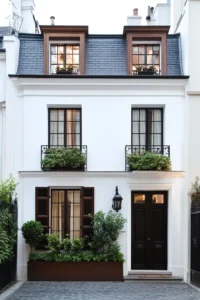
[{"x": 149, "y": 230}]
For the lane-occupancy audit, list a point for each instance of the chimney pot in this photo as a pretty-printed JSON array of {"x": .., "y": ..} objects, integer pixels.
[
  {"x": 52, "y": 20},
  {"x": 135, "y": 12},
  {"x": 152, "y": 9}
]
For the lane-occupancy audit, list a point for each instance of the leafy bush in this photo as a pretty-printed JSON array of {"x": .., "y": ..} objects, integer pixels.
[
  {"x": 103, "y": 247},
  {"x": 69, "y": 158},
  {"x": 8, "y": 220},
  {"x": 106, "y": 231},
  {"x": 7, "y": 188},
  {"x": 32, "y": 232},
  {"x": 149, "y": 161}
]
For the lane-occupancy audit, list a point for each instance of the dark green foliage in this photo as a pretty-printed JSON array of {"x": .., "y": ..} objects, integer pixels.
[
  {"x": 68, "y": 158},
  {"x": 149, "y": 161},
  {"x": 8, "y": 220},
  {"x": 32, "y": 232},
  {"x": 103, "y": 247}
]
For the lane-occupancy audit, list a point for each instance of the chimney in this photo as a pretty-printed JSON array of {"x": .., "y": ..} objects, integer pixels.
[
  {"x": 134, "y": 20},
  {"x": 52, "y": 21},
  {"x": 148, "y": 18},
  {"x": 152, "y": 10},
  {"x": 27, "y": 10}
]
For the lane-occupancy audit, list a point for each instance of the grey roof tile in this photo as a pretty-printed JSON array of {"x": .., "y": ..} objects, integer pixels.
[{"x": 105, "y": 55}]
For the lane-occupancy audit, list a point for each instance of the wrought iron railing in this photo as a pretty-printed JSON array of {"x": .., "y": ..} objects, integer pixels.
[
  {"x": 82, "y": 148},
  {"x": 129, "y": 149}
]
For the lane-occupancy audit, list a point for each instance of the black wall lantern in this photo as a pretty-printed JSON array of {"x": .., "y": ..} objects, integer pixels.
[{"x": 117, "y": 201}]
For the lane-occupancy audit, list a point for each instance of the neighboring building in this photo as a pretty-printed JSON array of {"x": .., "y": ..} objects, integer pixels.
[{"x": 102, "y": 107}]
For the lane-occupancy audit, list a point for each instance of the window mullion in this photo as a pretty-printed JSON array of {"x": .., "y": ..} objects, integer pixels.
[
  {"x": 147, "y": 133},
  {"x": 65, "y": 125}
]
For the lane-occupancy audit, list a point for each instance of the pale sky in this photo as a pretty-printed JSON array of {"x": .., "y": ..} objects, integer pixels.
[{"x": 104, "y": 16}]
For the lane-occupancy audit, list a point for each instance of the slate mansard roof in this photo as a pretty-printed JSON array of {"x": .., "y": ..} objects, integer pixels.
[{"x": 105, "y": 55}]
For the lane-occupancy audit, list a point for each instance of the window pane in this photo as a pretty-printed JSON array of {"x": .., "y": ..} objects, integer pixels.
[
  {"x": 141, "y": 49},
  {"x": 158, "y": 199},
  {"x": 156, "y": 59},
  {"x": 135, "y": 114},
  {"x": 141, "y": 59},
  {"x": 53, "y": 115},
  {"x": 69, "y": 115},
  {"x": 135, "y": 127},
  {"x": 75, "y": 49},
  {"x": 61, "y": 59},
  {"x": 76, "y": 115},
  {"x": 60, "y": 139},
  {"x": 156, "y": 49},
  {"x": 156, "y": 127},
  {"x": 157, "y": 115},
  {"x": 136, "y": 139},
  {"x": 135, "y": 50},
  {"x": 69, "y": 49},
  {"x": 53, "y": 139},
  {"x": 149, "y": 50},
  {"x": 77, "y": 210},
  {"x": 142, "y": 127},
  {"x": 60, "y": 127},
  {"x": 135, "y": 59},
  {"x": 69, "y": 59},
  {"x": 53, "y": 127},
  {"x": 142, "y": 115},
  {"x": 75, "y": 59},
  {"x": 60, "y": 49},
  {"x": 53, "y": 69},
  {"x": 142, "y": 139},
  {"x": 139, "y": 198},
  {"x": 149, "y": 59},
  {"x": 54, "y": 59},
  {"x": 77, "y": 224},
  {"x": 53, "y": 49}
]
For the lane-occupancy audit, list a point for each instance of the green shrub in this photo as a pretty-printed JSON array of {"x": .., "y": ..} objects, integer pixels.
[
  {"x": 53, "y": 243},
  {"x": 71, "y": 158},
  {"x": 149, "y": 161},
  {"x": 77, "y": 245},
  {"x": 32, "y": 232},
  {"x": 7, "y": 188},
  {"x": 106, "y": 231}
]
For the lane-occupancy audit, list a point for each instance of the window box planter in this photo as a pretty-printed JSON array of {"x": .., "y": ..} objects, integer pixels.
[
  {"x": 146, "y": 73},
  {"x": 75, "y": 271},
  {"x": 65, "y": 168},
  {"x": 64, "y": 72}
]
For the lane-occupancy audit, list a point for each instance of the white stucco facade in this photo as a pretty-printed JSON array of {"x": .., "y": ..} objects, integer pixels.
[{"x": 106, "y": 128}]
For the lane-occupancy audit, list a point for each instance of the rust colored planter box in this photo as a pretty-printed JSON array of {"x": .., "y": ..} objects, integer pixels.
[{"x": 75, "y": 271}]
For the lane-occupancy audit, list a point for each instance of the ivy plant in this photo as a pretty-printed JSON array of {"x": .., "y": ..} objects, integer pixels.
[
  {"x": 66, "y": 158},
  {"x": 148, "y": 161}
]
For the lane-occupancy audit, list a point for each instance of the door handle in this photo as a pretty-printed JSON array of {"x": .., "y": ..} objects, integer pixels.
[{"x": 148, "y": 239}]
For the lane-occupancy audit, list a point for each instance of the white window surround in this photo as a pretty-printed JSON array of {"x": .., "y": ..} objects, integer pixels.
[{"x": 150, "y": 43}]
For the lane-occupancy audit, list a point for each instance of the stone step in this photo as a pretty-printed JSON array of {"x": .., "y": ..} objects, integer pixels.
[
  {"x": 149, "y": 272},
  {"x": 154, "y": 277}
]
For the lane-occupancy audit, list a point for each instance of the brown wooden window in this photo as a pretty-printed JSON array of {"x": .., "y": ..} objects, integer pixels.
[
  {"x": 64, "y": 56},
  {"x": 65, "y": 127},
  {"x": 68, "y": 213},
  {"x": 146, "y": 56}
]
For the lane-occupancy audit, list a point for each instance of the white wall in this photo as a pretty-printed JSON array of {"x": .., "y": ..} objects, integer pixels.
[
  {"x": 104, "y": 185},
  {"x": 106, "y": 118}
]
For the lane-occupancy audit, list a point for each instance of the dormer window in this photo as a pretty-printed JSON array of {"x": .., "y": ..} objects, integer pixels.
[
  {"x": 146, "y": 56},
  {"x": 64, "y": 58},
  {"x": 64, "y": 49},
  {"x": 146, "y": 48}
]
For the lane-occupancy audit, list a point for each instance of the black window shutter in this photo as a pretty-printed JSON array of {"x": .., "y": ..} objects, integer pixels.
[
  {"x": 42, "y": 210},
  {"x": 87, "y": 207}
]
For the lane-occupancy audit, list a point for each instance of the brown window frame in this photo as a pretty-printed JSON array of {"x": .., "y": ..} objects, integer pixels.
[
  {"x": 65, "y": 64},
  {"x": 146, "y": 34},
  {"x": 65, "y": 122},
  {"x": 64, "y": 33}
]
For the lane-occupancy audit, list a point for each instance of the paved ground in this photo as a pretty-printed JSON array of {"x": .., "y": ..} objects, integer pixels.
[{"x": 104, "y": 291}]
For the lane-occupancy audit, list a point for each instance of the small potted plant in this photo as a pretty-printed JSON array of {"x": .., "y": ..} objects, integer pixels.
[
  {"x": 146, "y": 70},
  {"x": 64, "y": 70}
]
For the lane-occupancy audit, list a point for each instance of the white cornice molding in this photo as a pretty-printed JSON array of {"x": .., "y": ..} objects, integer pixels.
[
  {"x": 193, "y": 93},
  {"x": 158, "y": 174},
  {"x": 130, "y": 175}
]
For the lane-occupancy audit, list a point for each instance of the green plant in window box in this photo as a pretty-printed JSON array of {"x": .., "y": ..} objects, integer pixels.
[
  {"x": 148, "y": 161},
  {"x": 65, "y": 70},
  {"x": 146, "y": 70},
  {"x": 63, "y": 159}
]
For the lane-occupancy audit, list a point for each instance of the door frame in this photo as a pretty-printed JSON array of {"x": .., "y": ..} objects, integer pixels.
[{"x": 132, "y": 219}]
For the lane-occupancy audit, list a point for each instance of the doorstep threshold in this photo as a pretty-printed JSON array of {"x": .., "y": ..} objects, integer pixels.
[{"x": 149, "y": 272}]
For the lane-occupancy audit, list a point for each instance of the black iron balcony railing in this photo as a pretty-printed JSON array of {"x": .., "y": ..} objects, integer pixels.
[
  {"x": 81, "y": 156},
  {"x": 129, "y": 149}
]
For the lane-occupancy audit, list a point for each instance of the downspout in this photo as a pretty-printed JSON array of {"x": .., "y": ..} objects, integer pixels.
[{"x": 3, "y": 139}]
